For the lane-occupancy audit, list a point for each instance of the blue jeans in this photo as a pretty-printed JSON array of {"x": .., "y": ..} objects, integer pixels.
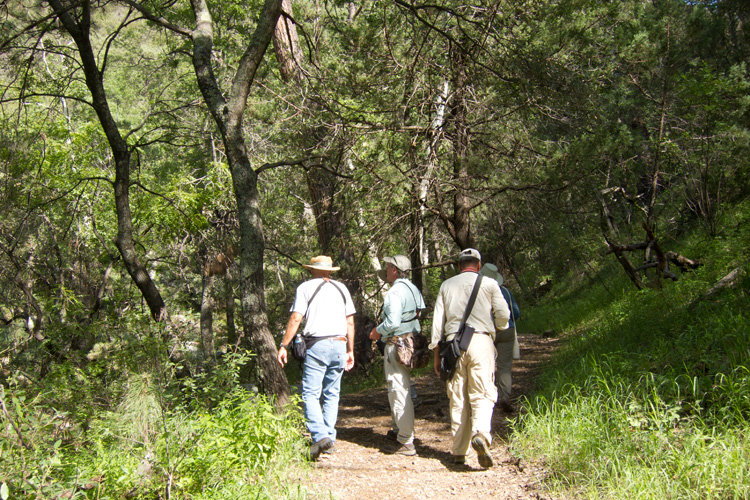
[{"x": 321, "y": 384}]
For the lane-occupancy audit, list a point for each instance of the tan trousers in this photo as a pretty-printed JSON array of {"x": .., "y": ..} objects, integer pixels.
[
  {"x": 398, "y": 379},
  {"x": 472, "y": 393}
]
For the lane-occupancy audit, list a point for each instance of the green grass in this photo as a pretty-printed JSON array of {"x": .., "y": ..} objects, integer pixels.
[
  {"x": 650, "y": 395},
  {"x": 240, "y": 446}
]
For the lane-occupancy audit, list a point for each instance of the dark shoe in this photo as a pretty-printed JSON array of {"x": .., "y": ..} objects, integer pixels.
[
  {"x": 459, "y": 459},
  {"x": 505, "y": 405},
  {"x": 317, "y": 448},
  {"x": 482, "y": 447},
  {"x": 329, "y": 451},
  {"x": 391, "y": 435},
  {"x": 403, "y": 449}
]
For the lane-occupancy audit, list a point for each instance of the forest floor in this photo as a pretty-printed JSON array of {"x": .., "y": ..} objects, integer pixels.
[{"x": 359, "y": 469}]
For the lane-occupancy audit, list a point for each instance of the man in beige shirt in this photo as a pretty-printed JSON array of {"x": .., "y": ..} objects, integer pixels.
[{"x": 471, "y": 390}]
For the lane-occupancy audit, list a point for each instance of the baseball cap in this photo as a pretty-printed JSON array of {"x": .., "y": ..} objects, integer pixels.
[
  {"x": 469, "y": 253},
  {"x": 401, "y": 262}
]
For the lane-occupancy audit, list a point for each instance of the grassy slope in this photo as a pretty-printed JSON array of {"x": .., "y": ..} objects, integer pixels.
[{"x": 650, "y": 397}]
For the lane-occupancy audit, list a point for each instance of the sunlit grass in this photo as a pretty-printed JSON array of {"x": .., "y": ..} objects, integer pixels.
[{"x": 649, "y": 398}]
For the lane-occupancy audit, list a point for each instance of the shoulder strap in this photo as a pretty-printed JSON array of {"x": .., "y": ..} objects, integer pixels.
[
  {"x": 313, "y": 296},
  {"x": 472, "y": 299},
  {"x": 343, "y": 297},
  {"x": 465, "y": 333},
  {"x": 416, "y": 306}
]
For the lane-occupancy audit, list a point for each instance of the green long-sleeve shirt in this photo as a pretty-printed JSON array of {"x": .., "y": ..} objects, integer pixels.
[{"x": 400, "y": 308}]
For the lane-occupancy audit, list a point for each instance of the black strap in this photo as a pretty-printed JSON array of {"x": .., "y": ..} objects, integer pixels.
[
  {"x": 316, "y": 293},
  {"x": 313, "y": 296},
  {"x": 416, "y": 306},
  {"x": 472, "y": 299},
  {"x": 343, "y": 297},
  {"x": 464, "y": 331}
]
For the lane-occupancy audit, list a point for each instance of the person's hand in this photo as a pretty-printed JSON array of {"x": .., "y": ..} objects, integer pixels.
[
  {"x": 349, "y": 361},
  {"x": 437, "y": 361},
  {"x": 374, "y": 335},
  {"x": 281, "y": 356}
]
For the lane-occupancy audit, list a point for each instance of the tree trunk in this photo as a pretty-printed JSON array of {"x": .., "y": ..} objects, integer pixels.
[
  {"x": 79, "y": 31},
  {"x": 461, "y": 201},
  {"x": 229, "y": 305},
  {"x": 286, "y": 45},
  {"x": 207, "y": 317},
  {"x": 322, "y": 187},
  {"x": 256, "y": 335},
  {"x": 508, "y": 260}
]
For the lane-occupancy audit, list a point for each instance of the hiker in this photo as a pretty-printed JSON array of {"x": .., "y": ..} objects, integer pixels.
[
  {"x": 401, "y": 309},
  {"x": 328, "y": 310},
  {"x": 506, "y": 342},
  {"x": 471, "y": 388}
]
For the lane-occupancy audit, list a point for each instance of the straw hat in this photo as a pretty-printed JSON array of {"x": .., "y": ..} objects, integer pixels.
[{"x": 321, "y": 262}]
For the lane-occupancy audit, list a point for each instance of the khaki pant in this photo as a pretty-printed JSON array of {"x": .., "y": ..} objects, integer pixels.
[
  {"x": 472, "y": 393},
  {"x": 398, "y": 378},
  {"x": 504, "y": 341}
]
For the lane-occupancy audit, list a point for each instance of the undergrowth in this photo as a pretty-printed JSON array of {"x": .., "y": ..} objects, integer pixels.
[
  {"x": 165, "y": 439},
  {"x": 650, "y": 395}
]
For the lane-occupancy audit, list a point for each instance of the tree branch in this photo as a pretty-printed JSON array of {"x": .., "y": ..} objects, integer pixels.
[{"x": 161, "y": 21}]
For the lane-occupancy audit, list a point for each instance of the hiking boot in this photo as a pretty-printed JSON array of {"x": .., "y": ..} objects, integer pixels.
[
  {"x": 482, "y": 447},
  {"x": 329, "y": 451},
  {"x": 317, "y": 448},
  {"x": 402, "y": 449},
  {"x": 459, "y": 459}
]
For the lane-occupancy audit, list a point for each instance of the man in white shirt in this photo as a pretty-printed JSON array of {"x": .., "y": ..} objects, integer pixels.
[
  {"x": 471, "y": 390},
  {"x": 329, "y": 311}
]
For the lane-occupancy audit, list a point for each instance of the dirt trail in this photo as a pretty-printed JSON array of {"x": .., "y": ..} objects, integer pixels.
[{"x": 360, "y": 470}]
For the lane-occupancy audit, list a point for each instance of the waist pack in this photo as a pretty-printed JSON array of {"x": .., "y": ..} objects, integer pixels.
[
  {"x": 299, "y": 347},
  {"x": 301, "y": 344},
  {"x": 412, "y": 351}
]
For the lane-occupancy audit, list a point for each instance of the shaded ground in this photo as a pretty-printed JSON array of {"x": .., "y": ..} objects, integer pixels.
[{"x": 360, "y": 470}]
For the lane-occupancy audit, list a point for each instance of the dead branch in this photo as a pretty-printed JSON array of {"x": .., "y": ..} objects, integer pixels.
[{"x": 727, "y": 281}]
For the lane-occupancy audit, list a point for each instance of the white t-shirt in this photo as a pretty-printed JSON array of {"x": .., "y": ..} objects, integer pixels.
[{"x": 327, "y": 314}]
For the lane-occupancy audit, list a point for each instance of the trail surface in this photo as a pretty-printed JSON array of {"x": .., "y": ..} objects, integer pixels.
[{"x": 359, "y": 469}]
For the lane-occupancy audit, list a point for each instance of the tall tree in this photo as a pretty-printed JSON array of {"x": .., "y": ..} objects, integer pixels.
[
  {"x": 228, "y": 116},
  {"x": 76, "y": 21}
]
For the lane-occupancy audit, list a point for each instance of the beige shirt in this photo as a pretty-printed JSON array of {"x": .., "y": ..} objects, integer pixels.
[{"x": 490, "y": 311}]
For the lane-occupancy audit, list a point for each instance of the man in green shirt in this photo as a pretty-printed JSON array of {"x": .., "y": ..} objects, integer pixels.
[{"x": 400, "y": 319}]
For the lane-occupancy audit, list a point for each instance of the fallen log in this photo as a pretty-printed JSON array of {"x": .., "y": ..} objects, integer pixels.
[
  {"x": 682, "y": 262},
  {"x": 726, "y": 282}
]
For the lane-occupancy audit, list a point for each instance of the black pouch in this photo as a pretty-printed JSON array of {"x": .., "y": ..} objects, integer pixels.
[
  {"x": 466, "y": 333},
  {"x": 451, "y": 350},
  {"x": 299, "y": 347},
  {"x": 381, "y": 346},
  {"x": 449, "y": 354},
  {"x": 422, "y": 353}
]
